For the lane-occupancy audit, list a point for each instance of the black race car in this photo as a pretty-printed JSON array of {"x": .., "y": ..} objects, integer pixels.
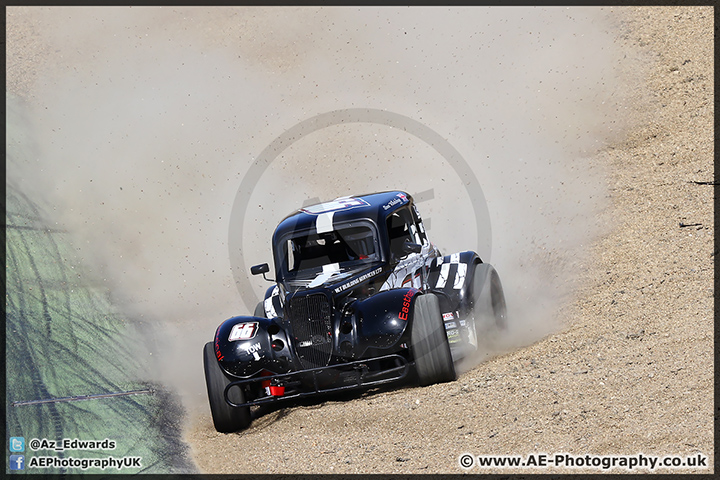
[{"x": 361, "y": 298}]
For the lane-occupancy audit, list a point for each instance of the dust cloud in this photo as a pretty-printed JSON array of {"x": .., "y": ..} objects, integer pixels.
[{"x": 146, "y": 120}]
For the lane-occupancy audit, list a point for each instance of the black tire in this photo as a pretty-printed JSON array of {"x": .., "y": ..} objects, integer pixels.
[
  {"x": 260, "y": 310},
  {"x": 429, "y": 343},
  {"x": 226, "y": 419},
  {"x": 487, "y": 301}
]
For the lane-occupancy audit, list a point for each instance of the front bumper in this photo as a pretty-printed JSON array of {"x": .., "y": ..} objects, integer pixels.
[{"x": 305, "y": 383}]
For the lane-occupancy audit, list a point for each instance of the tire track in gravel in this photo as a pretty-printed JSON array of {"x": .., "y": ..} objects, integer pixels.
[
  {"x": 65, "y": 339},
  {"x": 41, "y": 390}
]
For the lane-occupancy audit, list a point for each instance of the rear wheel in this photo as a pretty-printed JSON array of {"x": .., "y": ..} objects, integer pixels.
[
  {"x": 489, "y": 311},
  {"x": 429, "y": 342},
  {"x": 226, "y": 419}
]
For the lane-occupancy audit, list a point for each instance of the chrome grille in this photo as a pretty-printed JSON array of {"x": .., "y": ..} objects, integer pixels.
[{"x": 311, "y": 322}]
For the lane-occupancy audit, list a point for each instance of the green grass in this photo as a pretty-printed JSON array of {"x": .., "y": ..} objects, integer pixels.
[{"x": 64, "y": 337}]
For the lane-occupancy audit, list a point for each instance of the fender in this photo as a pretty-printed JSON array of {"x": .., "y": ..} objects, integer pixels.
[
  {"x": 245, "y": 346},
  {"x": 383, "y": 318},
  {"x": 272, "y": 302},
  {"x": 452, "y": 275}
]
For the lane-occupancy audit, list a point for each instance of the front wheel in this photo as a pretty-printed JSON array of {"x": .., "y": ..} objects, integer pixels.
[
  {"x": 429, "y": 342},
  {"x": 226, "y": 419},
  {"x": 260, "y": 310}
]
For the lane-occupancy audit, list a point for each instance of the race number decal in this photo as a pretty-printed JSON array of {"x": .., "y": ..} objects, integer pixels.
[{"x": 243, "y": 331}]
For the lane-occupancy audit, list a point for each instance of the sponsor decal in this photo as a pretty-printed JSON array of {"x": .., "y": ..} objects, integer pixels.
[
  {"x": 451, "y": 325},
  {"x": 401, "y": 199},
  {"x": 453, "y": 336},
  {"x": 448, "y": 316},
  {"x": 217, "y": 345},
  {"x": 405, "y": 310},
  {"x": 243, "y": 331},
  {"x": 357, "y": 280}
]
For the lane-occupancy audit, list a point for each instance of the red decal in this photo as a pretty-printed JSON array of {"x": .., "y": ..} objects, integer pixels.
[
  {"x": 219, "y": 355},
  {"x": 405, "y": 310}
]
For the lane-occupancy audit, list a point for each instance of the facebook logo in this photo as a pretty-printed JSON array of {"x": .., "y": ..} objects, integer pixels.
[
  {"x": 17, "y": 444},
  {"x": 17, "y": 462}
]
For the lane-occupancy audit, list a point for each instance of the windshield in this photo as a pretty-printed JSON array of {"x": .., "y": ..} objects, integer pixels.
[{"x": 303, "y": 254}]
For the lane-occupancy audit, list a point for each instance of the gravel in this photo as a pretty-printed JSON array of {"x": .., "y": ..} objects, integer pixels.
[{"x": 632, "y": 371}]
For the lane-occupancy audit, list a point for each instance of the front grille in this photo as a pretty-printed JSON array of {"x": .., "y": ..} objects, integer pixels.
[{"x": 311, "y": 322}]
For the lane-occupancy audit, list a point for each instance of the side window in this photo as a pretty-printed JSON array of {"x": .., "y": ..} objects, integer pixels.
[
  {"x": 420, "y": 227},
  {"x": 401, "y": 228}
]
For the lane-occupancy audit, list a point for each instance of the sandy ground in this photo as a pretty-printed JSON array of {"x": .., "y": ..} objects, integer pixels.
[{"x": 632, "y": 370}]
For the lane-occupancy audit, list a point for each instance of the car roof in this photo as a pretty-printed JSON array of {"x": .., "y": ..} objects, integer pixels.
[{"x": 321, "y": 216}]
